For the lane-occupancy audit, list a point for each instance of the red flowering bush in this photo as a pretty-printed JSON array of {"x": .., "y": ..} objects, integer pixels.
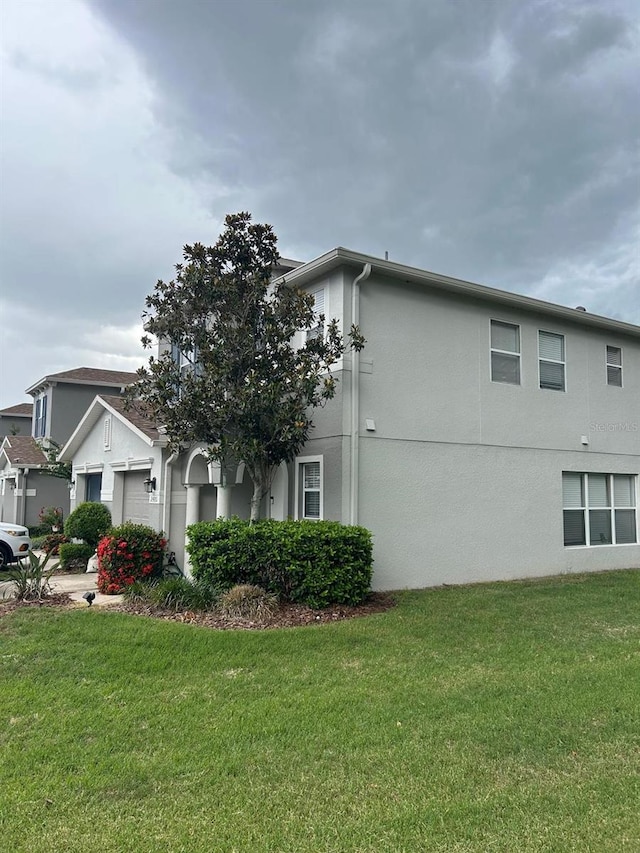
[{"x": 129, "y": 553}]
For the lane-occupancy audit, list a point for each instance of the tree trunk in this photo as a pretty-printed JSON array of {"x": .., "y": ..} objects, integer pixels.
[{"x": 256, "y": 500}]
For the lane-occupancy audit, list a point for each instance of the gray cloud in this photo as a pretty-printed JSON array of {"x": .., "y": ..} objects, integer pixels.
[{"x": 495, "y": 141}]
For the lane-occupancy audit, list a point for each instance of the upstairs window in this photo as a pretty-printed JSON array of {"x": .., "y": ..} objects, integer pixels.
[
  {"x": 551, "y": 359},
  {"x": 614, "y": 366},
  {"x": 505, "y": 352},
  {"x": 317, "y": 331},
  {"x": 187, "y": 361},
  {"x": 40, "y": 417},
  {"x": 599, "y": 509}
]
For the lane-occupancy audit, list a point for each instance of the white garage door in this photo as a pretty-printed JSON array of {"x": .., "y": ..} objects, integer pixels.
[{"x": 136, "y": 500}]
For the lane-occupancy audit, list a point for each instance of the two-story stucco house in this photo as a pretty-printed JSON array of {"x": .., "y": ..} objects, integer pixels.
[
  {"x": 479, "y": 435},
  {"x": 60, "y": 400}
]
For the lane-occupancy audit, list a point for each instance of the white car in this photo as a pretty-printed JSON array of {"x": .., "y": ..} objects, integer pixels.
[{"x": 14, "y": 543}]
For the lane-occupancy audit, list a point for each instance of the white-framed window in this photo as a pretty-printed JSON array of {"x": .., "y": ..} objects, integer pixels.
[
  {"x": 599, "y": 509},
  {"x": 107, "y": 433},
  {"x": 317, "y": 330},
  {"x": 551, "y": 361},
  {"x": 505, "y": 352},
  {"x": 614, "y": 366},
  {"x": 187, "y": 361},
  {"x": 40, "y": 417},
  {"x": 309, "y": 487}
]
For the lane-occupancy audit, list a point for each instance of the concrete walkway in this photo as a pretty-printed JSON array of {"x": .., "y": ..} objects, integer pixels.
[{"x": 75, "y": 586}]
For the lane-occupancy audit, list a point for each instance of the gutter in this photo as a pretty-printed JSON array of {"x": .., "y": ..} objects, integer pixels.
[
  {"x": 341, "y": 256},
  {"x": 355, "y": 399}
]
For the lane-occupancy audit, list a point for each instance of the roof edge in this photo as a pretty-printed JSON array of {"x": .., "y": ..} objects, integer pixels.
[{"x": 341, "y": 256}]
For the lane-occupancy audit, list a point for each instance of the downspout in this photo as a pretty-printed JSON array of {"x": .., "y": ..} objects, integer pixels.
[
  {"x": 21, "y": 501},
  {"x": 355, "y": 397},
  {"x": 166, "y": 507}
]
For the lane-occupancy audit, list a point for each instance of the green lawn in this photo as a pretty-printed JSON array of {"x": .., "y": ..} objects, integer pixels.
[{"x": 499, "y": 717}]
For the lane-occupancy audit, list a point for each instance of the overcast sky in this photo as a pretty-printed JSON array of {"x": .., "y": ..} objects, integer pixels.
[{"x": 493, "y": 140}]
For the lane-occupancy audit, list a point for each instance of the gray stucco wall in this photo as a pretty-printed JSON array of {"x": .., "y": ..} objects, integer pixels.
[
  {"x": 461, "y": 479},
  {"x": 15, "y": 425},
  {"x": 431, "y": 376},
  {"x": 454, "y": 513},
  {"x": 68, "y": 404},
  {"x": 49, "y": 491}
]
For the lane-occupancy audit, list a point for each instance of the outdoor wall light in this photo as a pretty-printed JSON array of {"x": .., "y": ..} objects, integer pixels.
[
  {"x": 150, "y": 485},
  {"x": 71, "y": 485}
]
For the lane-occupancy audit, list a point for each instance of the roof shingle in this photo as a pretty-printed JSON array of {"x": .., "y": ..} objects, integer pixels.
[
  {"x": 135, "y": 415},
  {"x": 87, "y": 376},
  {"x": 20, "y": 409},
  {"x": 23, "y": 450}
]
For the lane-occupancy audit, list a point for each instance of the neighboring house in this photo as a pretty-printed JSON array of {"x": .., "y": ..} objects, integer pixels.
[
  {"x": 24, "y": 488},
  {"x": 480, "y": 434},
  {"x": 16, "y": 420},
  {"x": 60, "y": 400}
]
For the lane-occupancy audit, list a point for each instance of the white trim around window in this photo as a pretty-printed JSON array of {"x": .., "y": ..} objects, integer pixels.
[
  {"x": 599, "y": 509},
  {"x": 506, "y": 362},
  {"x": 614, "y": 366},
  {"x": 552, "y": 361},
  {"x": 318, "y": 309},
  {"x": 309, "y": 488}
]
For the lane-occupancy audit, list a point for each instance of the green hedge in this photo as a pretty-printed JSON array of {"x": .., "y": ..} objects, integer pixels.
[
  {"x": 317, "y": 563},
  {"x": 70, "y": 552}
]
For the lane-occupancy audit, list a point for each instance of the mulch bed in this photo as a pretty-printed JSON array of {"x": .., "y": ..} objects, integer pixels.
[
  {"x": 58, "y": 599},
  {"x": 287, "y": 615}
]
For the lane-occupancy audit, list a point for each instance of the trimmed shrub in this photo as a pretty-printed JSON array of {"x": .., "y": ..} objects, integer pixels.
[
  {"x": 129, "y": 553},
  {"x": 88, "y": 521},
  {"x": 245, "y": 601},
  {"x": 317, "y": 563},
  {"x": 74, "y": 555},
  {"x": 39, "y": 531}
]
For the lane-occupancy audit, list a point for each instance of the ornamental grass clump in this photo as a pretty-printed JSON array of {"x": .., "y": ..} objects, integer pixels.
[
  {"x": 246, "y": 601},
  {"x": 129, "y": 553}
]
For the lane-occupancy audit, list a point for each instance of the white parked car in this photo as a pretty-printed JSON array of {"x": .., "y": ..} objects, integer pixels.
[{"x": 14, "y": 543}]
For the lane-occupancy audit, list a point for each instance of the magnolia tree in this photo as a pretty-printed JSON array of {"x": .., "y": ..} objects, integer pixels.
[{"x": 247, "y": 391}]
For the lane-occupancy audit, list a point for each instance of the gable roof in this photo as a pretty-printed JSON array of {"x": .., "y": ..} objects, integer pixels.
[
  {"x": 22, "y": 451},
  {"x": 21, "y": 410},
  {"x": 341, "y": 257},
  {"x": 134, "y": 419},
  {"x": 86, "y": 376},
  {"x": 134, "y": 415}
]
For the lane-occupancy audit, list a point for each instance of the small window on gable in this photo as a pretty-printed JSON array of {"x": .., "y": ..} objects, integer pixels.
[
  {"x": 317, "y": 331},
  {"x": 505, "y": 352},
  {"x": 107, "y": 433},
  {"x": 614, "y": 366},
  {"x": 551, "y": 359}
]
